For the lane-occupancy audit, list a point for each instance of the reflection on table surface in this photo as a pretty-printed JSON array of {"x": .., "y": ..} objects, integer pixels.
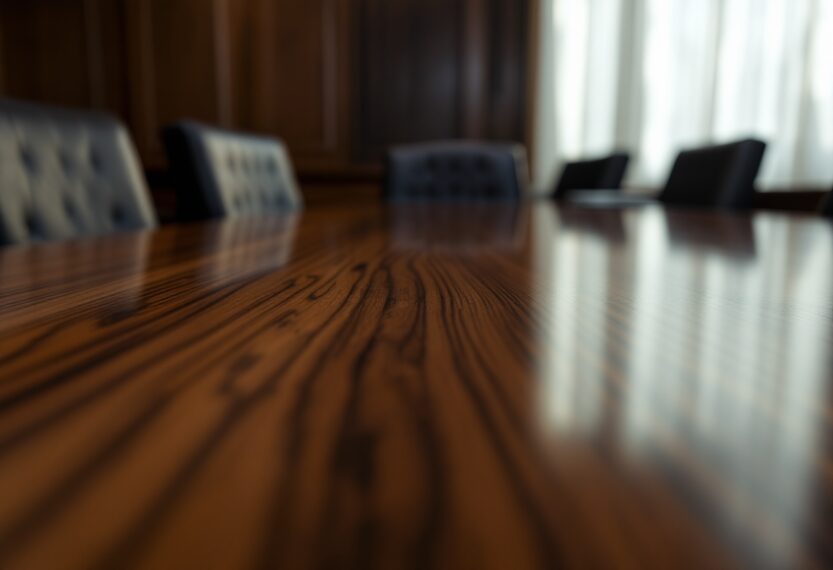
[
  {"x": 716, "y": 333},
  {"x": 422, "y": 386},
  {"x": 458, "y": 226}
]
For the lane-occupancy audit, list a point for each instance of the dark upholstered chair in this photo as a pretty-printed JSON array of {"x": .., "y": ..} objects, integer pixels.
[
  {"x": 66, "y": 173},
  {"x": 600, "y": 174},
  {"x": 221, "y": 173},
  {"x": 827, "y": 206},
  {"x": 456, "y": 171},
  {"x": 715, "y": 177}
]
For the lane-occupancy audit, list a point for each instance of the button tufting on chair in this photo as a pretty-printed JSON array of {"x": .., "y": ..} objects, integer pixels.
[
  {"x": 456, "y": 171},
  {"x": 222, "y": 173},
  {"x": 45, "y": 191}
]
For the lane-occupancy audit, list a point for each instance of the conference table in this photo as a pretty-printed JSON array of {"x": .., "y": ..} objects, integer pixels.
[{"x": 422, "y": 385}]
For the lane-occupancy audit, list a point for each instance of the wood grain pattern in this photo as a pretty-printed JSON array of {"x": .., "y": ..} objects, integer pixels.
[{"x": 421, "y": 386}]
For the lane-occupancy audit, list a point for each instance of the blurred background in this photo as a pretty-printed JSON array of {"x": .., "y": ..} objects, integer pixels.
[
  {"x": 655, "y": 76},
  {"x": 341, "y": 80}
]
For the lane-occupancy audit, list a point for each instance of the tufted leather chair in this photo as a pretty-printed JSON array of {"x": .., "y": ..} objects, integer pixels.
[
  {"x": 827, "y": 206},
  {"x": 600, "y": 174},
  {"x": 221, "y": 173},
  {"x": 715, "y": 177},
  {"x": 65, "y": 174},
  {"x": 456, "y": 171}
]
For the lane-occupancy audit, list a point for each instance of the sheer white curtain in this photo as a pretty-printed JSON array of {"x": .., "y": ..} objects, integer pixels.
[{"x": 654, "y": 76}]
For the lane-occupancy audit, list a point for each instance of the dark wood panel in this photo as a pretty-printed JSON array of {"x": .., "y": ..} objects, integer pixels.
[
  {"x": 2, "y": 62},
  {"x": 323, "y": 194},
  {"x": 338, "y": 80},
  {"x": 439, "y": 69},
  {"x": 178, "y": 68},
  {"x": 410, "y": 66},
  {"x": 424, "y": 386},
  {"x": 58, "y": 67},
  {"x": 505, "y": 118},
  {"x": 290, "y": 70},
  {"x": 65, "y": 52}
]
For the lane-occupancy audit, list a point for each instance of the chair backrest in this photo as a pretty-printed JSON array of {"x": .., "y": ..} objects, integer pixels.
[
  {"x": 67, "y": 173},
  {"x": 720, "y": 176},
  {"x": 827, "y": 206},
  {"x": 221, "y": 173},
  {"x": 599, "y": 174},
  {"x": 456, "y": 171}
]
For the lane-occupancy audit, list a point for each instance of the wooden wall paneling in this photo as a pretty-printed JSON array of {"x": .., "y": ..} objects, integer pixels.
[
  {"x": 508, "y": 27},
  {"x": 496, "y": 52},
  {"x": 106, "y": 56},
  {"x": 62, "y": 52},
  {"x": 2, "y": 62},
  {"x": 178, "y": 68},
  {"x": 474, "y": 69},
  {"x": 338, "y": 80},
  {"x": 408, "y": 54},
  {"x": 47, "y": 59},
  {"x": 241, "y": 40},
  {"x": 439, "y": 69},
  {"x": 290, "y": 73},
  {"x": 222, "y": 42},
  {"x": 94, "y": 48}
]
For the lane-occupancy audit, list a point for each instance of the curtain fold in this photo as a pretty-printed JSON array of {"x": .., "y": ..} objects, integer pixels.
[{"x": 655, "y": 76}]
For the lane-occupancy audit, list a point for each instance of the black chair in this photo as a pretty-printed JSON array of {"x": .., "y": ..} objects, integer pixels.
[
  {"x": 221, "y": 173},
  {"x": 715, "y": 177},
  {"x": 456, "y": 171},
  {"x": 827, "y": 206},
  {"x": 67, "y": 173},
  {"x": 600, "y": 174}
]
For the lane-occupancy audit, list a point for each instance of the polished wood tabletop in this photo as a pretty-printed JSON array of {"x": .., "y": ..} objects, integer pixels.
[{"x": 419, "y": 386}]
